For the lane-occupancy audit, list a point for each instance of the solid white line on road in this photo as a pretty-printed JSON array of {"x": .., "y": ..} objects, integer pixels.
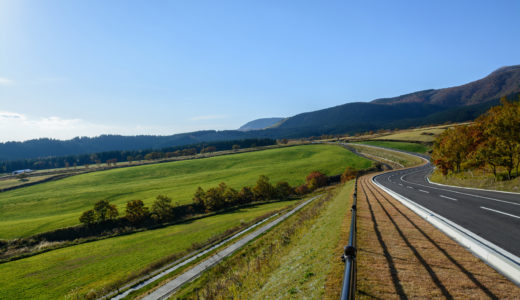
[
  {"x": 500, "y": 212},
  {"x": 446, "y": 197},
  {"x": 424, "y": 191}
]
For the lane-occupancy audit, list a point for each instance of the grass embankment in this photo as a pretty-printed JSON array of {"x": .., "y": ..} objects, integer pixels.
[
  {"x": 82, "y": 270},
  {"x": 477, "y": 179},
  {"x": 410, "y": 147},
  {"x": 43, "y": 207},
  {"x": 298, "y": 259},
  {"x": 426, "y": 135},
  {"x": 395, "y": 159}
]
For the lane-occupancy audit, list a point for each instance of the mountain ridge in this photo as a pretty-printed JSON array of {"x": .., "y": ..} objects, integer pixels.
[{"x": 455, "y": 104}]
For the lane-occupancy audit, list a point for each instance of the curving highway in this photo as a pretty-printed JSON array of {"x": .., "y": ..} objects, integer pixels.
[
  {"x": 494, "y": 216},
  {"x": 485, "y": 221}
]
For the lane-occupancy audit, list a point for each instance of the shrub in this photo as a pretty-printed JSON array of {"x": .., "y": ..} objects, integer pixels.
[
  {"x": 214, "y": 199},
  {"x": 263, "y": 189},
  {"x": 349, "y": 174},
  {"x": 302, "y": 189},
  {"x": 316, "y": 180},
  {"x": 88, "y": 217},
  {"x": 199, "y": 198},
  {"x": 162, "y": 208},
  {"x": 283, "y": 190},
  {"x": 105, "y": 211},
  {"x": 246, "y": 195},
  {"x": 136, "y": 211}
]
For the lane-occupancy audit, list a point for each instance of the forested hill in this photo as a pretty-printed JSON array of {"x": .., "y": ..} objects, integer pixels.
[
  {"x": 455, "y": 104},
  {"x": 84, "y": 145}
]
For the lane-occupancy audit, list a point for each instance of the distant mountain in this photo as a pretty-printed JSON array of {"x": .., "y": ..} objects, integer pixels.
[
  {"x": 455, "y": 104},
  {"x": 501, "y": 82},
  {"x": 259, "y": 124}
]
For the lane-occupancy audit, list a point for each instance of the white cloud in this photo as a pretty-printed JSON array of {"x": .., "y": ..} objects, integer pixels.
[
  {"x": 208, "y": 117},
  {"x": 5, "y": 81},
  {"x": 18, "y": 127}
]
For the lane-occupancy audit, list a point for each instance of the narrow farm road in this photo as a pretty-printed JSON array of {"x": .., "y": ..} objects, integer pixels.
[{"x": 170, "y": 287}]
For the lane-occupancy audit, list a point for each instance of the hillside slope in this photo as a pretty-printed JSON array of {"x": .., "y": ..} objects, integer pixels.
[
  {"x": 501, "y": 82},
  {"x": 259, "y": 124}
]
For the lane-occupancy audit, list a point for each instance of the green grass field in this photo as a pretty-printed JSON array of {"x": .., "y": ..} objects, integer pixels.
[
  {"x": 75, "y": 271},
  {"x": 411, "y": 147},
  {"x": 57, "y": 204}
]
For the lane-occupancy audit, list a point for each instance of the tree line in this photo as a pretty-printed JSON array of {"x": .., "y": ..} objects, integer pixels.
[
  {"x": 491, "y": 142},
  {"x": 213, "y": 199},
  {"x": 112, "y": 157}
]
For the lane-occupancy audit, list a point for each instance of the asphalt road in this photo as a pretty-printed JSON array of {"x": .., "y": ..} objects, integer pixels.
[{"x": 494, "y": 216}]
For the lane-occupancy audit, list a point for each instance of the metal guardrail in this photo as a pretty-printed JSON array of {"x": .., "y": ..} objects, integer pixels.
[{"x": 349, "y": 256}]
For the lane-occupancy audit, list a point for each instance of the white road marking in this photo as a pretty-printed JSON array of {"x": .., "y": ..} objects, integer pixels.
[
  {"x": 500, "y": 212},
  {"x": 424, "y": 191},
  {"x": 409, "y": 187},
  {"x": 448, "y": 198},
  {"x": 450, "y": 191},
  {"x": 400, "y": 184}
]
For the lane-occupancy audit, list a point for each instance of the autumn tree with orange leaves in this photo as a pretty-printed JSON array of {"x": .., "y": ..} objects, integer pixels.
[{"x": 492, "y": 141}]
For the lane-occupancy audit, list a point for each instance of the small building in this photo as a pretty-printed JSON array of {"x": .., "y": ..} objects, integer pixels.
[{"x": 22, "y": 171}]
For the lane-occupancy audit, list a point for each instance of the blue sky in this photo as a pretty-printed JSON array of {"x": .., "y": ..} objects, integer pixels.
[{"x": 70, "y": 68}]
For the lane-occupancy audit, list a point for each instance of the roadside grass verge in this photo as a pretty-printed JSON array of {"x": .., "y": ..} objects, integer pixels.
[
  {"x": 401, "y": 255},
  {"x": 396, "y": 159},
  {"x": 88, "y": 270},
  {"x": 294, "y": 260},
  {"x": 410, "y": 147},
  {"x": 48, "y": 206},
  {"x": 477, "y": 179}
]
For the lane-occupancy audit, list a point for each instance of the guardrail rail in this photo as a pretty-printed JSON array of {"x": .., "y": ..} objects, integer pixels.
[{"x": 348, "y": 290}]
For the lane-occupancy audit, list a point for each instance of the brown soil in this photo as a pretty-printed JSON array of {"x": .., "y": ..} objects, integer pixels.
[{"x": 402, "y": 256}]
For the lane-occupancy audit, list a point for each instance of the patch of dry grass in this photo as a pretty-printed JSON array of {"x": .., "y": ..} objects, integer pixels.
[{"x": 400, "y": 255}]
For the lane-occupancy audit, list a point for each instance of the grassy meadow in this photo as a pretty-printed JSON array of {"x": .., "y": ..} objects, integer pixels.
[
  {"x": 76, "y": 271},
  {"x": 410, "y": 147},
  {"x": 51, "y": 205}
]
